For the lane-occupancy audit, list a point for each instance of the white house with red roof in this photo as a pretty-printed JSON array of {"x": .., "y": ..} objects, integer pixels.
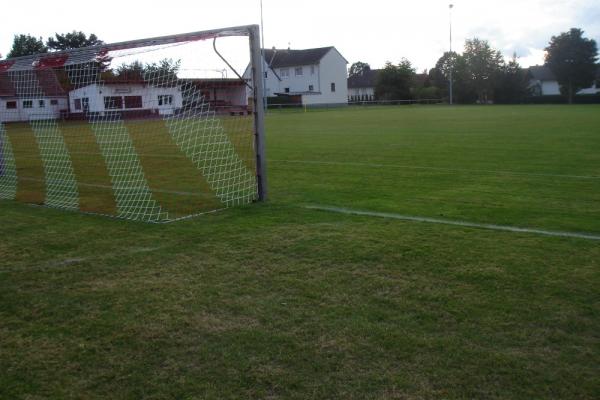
[{"x": 30, "y": 96}]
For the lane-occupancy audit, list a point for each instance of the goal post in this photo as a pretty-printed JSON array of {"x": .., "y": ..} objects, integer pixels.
[{"x": 153, "y": 130}]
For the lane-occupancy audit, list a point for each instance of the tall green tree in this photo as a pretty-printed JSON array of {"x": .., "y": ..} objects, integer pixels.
[
  {"x": 72, "y": 40},
  {"x": 394, "y": 82},
  {"x": 359, "y": 68},
  {"x": 463, "y": 89},
  {"x": 572, "y": 58},
  {"x": 25, "y": 45},
  {"x": 512, "y": 83},
  {"x": 483, "y": 65}
]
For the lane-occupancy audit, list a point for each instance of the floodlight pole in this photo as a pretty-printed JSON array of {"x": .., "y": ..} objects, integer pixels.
[
  {"x": 451, "y": 59},
  {"x": 259, "y": 111},
  {"x": 262, "y": 52}
]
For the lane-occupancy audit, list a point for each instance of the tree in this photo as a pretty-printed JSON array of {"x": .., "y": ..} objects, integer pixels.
[
  {"x": 512, "y": 83},
  {"x": 483, "y": 64},
  {"x": 358, "y": 68},
  {"x": 25, "y": 45},
  {"x": 133, "y": 71},
  {"x": 572, "y": 58},
  {"x": 463, "y": 90},
  {"x": 162, "y": 73},
  {"x": 394, "y": 82},
  {"x": 440, "y": 75},
  {"x": 72, "y": 40}
]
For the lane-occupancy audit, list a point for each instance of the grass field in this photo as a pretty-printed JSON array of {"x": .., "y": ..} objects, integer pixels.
[{"x": 280, "y": 300}]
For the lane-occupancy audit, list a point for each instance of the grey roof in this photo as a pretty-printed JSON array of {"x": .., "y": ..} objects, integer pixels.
[
  {"x": 541, "y": 73},
  {"x": 544, "y": 73},
  {"x": 366, "y": 79},
  {"x": 277, "y": 58}
]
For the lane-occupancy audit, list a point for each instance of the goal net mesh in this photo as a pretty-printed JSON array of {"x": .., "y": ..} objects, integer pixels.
[{"x": 153, "y": 131}]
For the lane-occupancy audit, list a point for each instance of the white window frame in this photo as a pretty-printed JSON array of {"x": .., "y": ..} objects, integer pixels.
[
  {"x": 298, "y": 71},
  {"x": 284, "y": 72},
  {"x": 165, "y": 99}
]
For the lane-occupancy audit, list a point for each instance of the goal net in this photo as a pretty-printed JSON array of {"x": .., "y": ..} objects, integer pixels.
[{"x": 152, "y": 130}]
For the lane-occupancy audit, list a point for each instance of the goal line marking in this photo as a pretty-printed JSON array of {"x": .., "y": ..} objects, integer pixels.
[
  {"x": 506, "y": 228},
  {"x": 481, "y": 171}
]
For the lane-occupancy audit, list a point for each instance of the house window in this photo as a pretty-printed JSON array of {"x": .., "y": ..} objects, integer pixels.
[
  {"x": 42, "y": 103},
  {"x": 287, "y": 90},
  {"x": 311, "y": 88},
  {"x": 284, "y": 72},
  {"x": 11, "y": 105},
  {"x": 299, "y": 71},
  {"x": 312, "y": 69},
  {"x": 333, "y": 86},
  {"x": 78, "y": 104},
  {"x": 266, "y": 75},
  {"x": 85, "y": 103},
  {"x": 165, "y": 99},
  {"x": 133, "y": 101},
  {"x": 113, "y": 102},
  {"x": 27, "y": 103},
  {"x": 53, "y": 102}
]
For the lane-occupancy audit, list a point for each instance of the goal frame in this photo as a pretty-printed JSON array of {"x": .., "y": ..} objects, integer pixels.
[{"x": 256, "y": 86}]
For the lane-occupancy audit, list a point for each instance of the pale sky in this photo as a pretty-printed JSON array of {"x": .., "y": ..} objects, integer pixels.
[{"x": 372, "y": 31}]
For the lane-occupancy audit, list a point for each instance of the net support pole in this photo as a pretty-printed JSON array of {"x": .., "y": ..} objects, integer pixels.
[{"x": 259, "y": 111}]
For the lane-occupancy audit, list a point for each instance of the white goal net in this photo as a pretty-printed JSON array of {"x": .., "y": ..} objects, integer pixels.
[{"x": 153, "y": 130}]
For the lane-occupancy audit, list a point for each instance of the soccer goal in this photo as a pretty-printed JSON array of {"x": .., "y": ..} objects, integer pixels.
[{"x": 153, "y": 130}]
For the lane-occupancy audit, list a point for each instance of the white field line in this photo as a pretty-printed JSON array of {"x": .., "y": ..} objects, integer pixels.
[
  {"x": 480, "y": 171},
  {"x": 467, "y": 224}
]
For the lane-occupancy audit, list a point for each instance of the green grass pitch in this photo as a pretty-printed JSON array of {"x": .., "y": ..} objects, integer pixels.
[{"x": 278, "y": 300}]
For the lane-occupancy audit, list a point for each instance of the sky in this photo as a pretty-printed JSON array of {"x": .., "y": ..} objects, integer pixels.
[{"x": 372, "y": 31}]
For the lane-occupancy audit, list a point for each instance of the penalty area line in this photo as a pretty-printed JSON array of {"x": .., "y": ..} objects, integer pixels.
[{"x": 467, "y": 224}]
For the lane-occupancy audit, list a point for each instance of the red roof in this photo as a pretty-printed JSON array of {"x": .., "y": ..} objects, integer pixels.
[
  {"x": 6, "y": 87},
  {"x": 31, "y": 83}
]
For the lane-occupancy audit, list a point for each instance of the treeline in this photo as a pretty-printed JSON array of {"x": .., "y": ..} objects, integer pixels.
[
  {"x": 25, "y": 45},
  {"x": 480, "y": 74},
  {"x": 162, "y": 72}
]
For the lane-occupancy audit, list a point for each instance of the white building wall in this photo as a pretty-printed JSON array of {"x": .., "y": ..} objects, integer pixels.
[
  {"x": 368, "y": 91},
  {"x": 36, "y": 112},
  {"x": 591, "y": 90},
  {"x": 550, "y": 88},
  {"x": 96, "y": 93},
  {"x": 332, "y": 69},
  {"x": 299, "y": 83}
]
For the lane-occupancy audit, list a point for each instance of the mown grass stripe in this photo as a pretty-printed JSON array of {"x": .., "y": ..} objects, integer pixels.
[
  {"x": 507, "y": 228},
  {"x": 442, "y": 169}
]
